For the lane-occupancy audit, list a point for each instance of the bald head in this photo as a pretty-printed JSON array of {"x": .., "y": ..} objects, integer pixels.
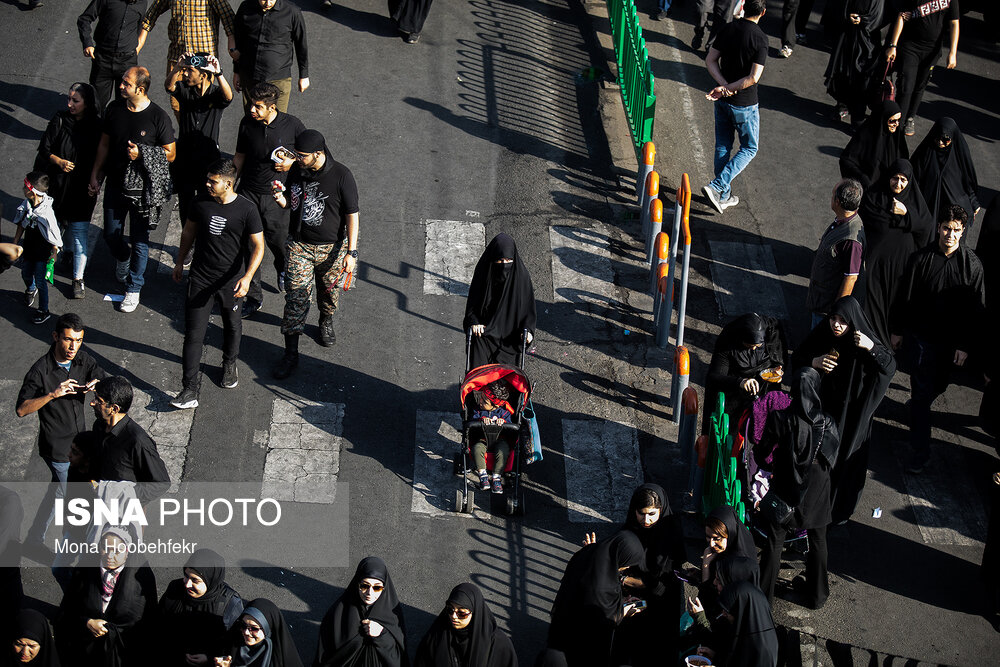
[{"x": 135, "y": 84}]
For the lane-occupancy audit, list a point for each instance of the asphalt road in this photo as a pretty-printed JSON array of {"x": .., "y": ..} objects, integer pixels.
[{"x": 485, "y": 122}]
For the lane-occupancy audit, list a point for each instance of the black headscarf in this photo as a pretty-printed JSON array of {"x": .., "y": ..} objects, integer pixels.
[
  {"x": 31, "y": 624},
  {"x": 736, "y": 569},
  {"x": 663, "y": 542},
  {"x": 480, "y": 644},
  {"x": 501, "y": 296},
  {"x": 341, "y": 641},
  {"x": 740, "y": 541},
  {"x": 947, "y": 175},
  {"x": 856, "y": 50},
  {"x": 854, "y": 389},
  {"x": 277, "y": 649},
  {"x": 754, "y": 640},
  {"x": 873, "y": 147},
  {"x": 197, "y": 625}
]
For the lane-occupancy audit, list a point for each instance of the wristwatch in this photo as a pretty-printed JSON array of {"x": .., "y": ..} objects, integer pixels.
[{"x": 353, "y": 253}]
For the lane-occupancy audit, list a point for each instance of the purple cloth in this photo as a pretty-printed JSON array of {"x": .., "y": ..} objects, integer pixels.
[{"x": 761, "y": 408}]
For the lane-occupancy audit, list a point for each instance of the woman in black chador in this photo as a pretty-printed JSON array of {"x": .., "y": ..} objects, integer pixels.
[
  {"x": 807, "y": 444},
  {"x": 897, "y": 223},
  {"x": 260, "y": 638},
  {"x": 659, "y": 529},
  {"x": 29, "y": 642},
  {"x": 753, "y": 641},
  {"x": 878, "y": 143},
  {"x": 944, "y": 169},
  {"x": 856, "y": 368},
  {"x": 589, "y": 604},
  {"x": 465, "y": 634},
  {"x": 409, "y": 16},
  {"x": 746, "y": 346},
  {"x": 364, "y": 627},
  {"x": 855, "y": 55},
  {"x": 197, "y": 611},
  {"x": 501, "y": 304}
]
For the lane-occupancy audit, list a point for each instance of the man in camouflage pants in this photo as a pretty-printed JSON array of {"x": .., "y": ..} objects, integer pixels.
[{"x": 323, "y": 241}]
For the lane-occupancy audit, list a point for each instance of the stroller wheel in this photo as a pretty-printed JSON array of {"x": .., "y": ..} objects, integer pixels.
[{"x": 463, "y": 505}]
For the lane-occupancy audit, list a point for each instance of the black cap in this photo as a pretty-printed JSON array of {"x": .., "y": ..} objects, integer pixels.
[{"x": 310, "y": 141}]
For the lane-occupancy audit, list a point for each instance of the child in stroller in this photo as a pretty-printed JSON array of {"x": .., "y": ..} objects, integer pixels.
[{"x": 491, "y": 408}]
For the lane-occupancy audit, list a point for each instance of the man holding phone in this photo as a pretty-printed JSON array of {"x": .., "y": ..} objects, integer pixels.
[{"x": 55, "y": 387}]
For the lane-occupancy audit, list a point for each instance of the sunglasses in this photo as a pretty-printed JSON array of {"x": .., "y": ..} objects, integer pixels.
[
  {"x": 365, "y": 586},
  {"x": 252, "y": 629},
  {"x": 459, "y": 613}
]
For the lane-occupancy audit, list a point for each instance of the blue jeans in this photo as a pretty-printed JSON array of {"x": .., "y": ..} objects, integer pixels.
[
  {"x": 116, "y": 207},
  {"x": 78, "y": 232},
  {"x": 729, "y": 121},
  {"x": 46, "y": 510},
  {"x": 665, "y": 5},
  {"x": 33, "y": 274}
]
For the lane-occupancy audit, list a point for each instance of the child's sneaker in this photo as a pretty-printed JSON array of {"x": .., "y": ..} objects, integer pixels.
[
  {"x": 484, "y": 481},
  {"x": 497, "y": 484}
]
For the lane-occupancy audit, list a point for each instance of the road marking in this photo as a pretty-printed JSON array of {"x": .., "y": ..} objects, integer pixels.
[
  {"x": 946, "y": 514},
  {"x": 602, "y": 469},
  {"x": 450, "y": 254},
  {"x": 303, "y": 451},
  {"x": 687, "y": 104},
  {"x": 438, "y": 438},
  {"x": 581, "y": 265},
  {"x": 744, "y": 276}
]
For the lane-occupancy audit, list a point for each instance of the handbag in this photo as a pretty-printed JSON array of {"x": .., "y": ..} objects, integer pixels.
[
  {"x": 774, "y": 509},
  {"x": 886, "y": 91},
  {"x": 530, "y": 438}
]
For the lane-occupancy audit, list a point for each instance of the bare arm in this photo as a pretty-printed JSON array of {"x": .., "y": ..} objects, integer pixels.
[
  {"x": 351, "y": 263},
  {"x": 256, "y": 257},
  {"x": 712, "y": 62},
  {"x": 171, "y": 151},
  {"x": 238, "y": 160},
  {"x": 953, "y": 49},
  {"x": 227, "y": 90},
  {"x": 173, "y": 76},
  {"x": 897, "y": 30},
  {"x": 847, "y": 286}
]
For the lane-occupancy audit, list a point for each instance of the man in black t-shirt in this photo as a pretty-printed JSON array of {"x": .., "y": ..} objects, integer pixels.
[
  {"x": 914, "y": 45},
  {"x": 202, "y": 94},
  {"x": 131, "y": 124},
  {"x": 228, "y": 230},
  {"x": 736, "y": 62},
  {"x": 323, "y": 199},
  {"x": 263, "y": 131}
]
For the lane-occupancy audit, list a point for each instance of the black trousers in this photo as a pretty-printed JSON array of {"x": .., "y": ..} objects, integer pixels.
[
  {"x": 722, "y": 13},
  {"x": 106, "y": 72},
  {"x": 817, "y": 582},
  {"x": 275, "y": 221},
  {"x": 913, "y": 72},
  {"x": 197, "y": 311},
  {"x": 794, "y": 19}
]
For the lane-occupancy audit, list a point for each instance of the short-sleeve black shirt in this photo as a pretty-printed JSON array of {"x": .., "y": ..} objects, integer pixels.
[
  {"x": 223, "y": 233},
  {"x": 200, "y": 115},
  {"x": 926, "y": 25},
  {"x": 320, "y": 202},
  {"x": 256, "y": 141},
  {"x": 741, "y": 45},
  {"x": 149, "y": 127}
]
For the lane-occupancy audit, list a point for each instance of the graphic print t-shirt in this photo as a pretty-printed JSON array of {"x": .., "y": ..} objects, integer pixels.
[
  {"x": 320, "y": 202},
  {"x": 222, "y": 240},
  {"x": 926, "y": 26}
]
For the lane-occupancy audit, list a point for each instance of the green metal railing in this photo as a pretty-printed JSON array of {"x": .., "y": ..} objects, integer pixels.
[
  {"x": 721, "y": 485},
  {"x": 635, "y": 75}
]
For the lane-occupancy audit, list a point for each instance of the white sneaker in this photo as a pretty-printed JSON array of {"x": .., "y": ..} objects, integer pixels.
[
  {"x": 121, "y": 270},
  {"x": 786, "y": 51},
  {"x": 733, "y": 200},
  {"x": 130, "y": 303}
]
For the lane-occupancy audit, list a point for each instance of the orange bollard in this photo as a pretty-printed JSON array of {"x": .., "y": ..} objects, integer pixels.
[
  {"x": 662, "y": 248},
  {"x": 648, "y": 158},
  {"x": 701, "y": 446},
  {"x": 682, "y": 373},
  {"x": 654, "y": 226}
]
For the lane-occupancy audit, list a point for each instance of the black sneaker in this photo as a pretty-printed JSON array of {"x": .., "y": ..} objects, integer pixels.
[
  {"x": 660, "y": 15},
  {"x": 79, "y": 291},
  {"x": 29, "y": 296},
  {"x": 230, "y": 375},
  {"x": 250, "y": 306},
  {"x": 910, "y": 128},
  {"x": 327, "y": 337},
  {"x": 697, "y": 41},
  {"x": 187, "y": 399},
  {"x": 286, "y": 366},
  {"x": 41, "y": 316}
]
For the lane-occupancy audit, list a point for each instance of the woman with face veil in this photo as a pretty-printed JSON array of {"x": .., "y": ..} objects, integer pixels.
[
  {"x": 878, "y": 143},
  {"x": 364, "y": 627},
  {"x": 807, "y": 444},
  {"x": 501, "y": 304},
  {"x": 465, "y": 634},
  {"x": 261, "y": 638},
  {"x": 198, "y": 610},
  {"x": 589, "y": 604},
  {"x": 897, "y": 223},
  {"x": 944, "y": 169},
  {"x": 30, "y": 642},
  {"x": 855, "y": 369},
  {"x": 659, "y": 530}
]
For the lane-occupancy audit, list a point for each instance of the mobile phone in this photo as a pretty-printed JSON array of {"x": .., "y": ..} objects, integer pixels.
[{"x": 640, "y": 604}]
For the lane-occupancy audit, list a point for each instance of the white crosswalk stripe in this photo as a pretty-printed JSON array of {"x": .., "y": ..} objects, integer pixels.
[
  {"x": 303, "y": 451},
  {"x": 602, "y": 469},
  {"x": 451, "y": 251},
  {"x": 438, "y": 437}
]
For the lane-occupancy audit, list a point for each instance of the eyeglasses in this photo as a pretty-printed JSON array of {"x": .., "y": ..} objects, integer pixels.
[
  {"x": 893, "y": 121},
  {"x": 459, "y": 613},
  {"x": 375, "y": 588},
  {"x": 252, "y": 629}
]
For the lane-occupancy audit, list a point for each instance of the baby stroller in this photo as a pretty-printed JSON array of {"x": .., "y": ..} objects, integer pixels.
[{"x": 517, "y": 432}]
